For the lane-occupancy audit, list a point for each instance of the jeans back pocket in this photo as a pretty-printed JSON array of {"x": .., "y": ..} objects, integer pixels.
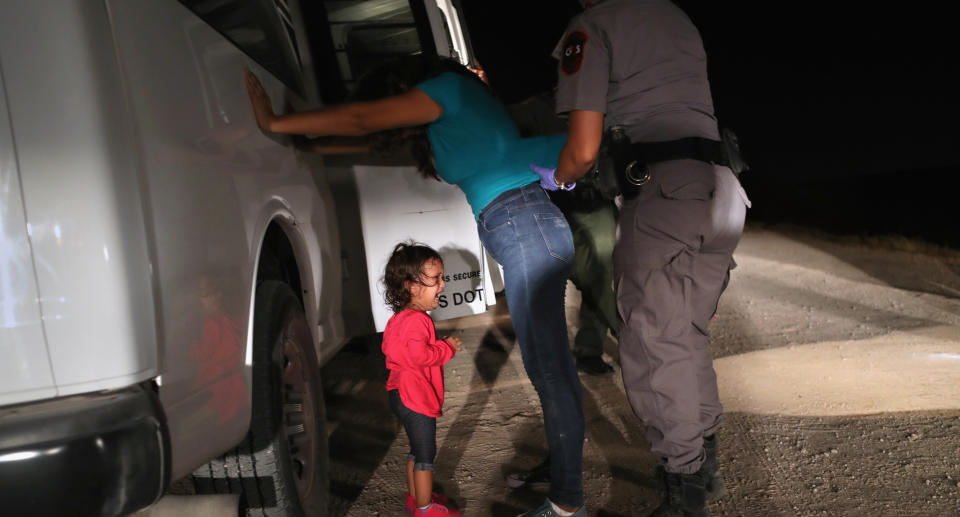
[
  {"x": 556, "y": 235},
  {"x": 494, "y": 219}
]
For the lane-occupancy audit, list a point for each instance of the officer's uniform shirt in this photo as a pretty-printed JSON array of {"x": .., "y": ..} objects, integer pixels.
[{"x": 642, "y": 64}]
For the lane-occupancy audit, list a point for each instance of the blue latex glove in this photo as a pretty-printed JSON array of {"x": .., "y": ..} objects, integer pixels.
[{"x": 547, "y": 181}]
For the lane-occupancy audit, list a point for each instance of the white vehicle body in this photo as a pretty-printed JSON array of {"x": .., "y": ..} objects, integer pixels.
[{"x": 139, "y": 208}]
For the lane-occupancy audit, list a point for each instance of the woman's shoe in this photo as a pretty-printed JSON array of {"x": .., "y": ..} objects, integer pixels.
[
  {"x": 546, "y": 510},
  {"x": 436, "y": 510},
  {"x": 411, "y": 503}
]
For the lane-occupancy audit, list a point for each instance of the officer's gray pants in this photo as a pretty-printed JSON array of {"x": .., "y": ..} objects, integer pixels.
[{"x": 672, "y": 261}]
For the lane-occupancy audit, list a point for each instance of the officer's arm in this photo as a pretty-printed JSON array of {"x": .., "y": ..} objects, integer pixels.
[{"x": 580, "y": 151}]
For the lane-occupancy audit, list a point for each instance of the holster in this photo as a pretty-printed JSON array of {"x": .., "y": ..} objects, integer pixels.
[{"x": 623, "y": 166}]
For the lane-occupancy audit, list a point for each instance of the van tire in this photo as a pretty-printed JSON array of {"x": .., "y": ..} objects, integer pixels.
[{"x": 280, "y": 468}]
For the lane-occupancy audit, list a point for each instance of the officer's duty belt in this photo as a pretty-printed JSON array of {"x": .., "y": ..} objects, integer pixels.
[
  {"x": 691, "y": 148},
  {"x": 642, "y": 154}
]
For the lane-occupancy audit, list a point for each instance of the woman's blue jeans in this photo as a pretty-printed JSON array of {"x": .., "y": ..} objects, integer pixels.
[{"x": 529, "y": 237}]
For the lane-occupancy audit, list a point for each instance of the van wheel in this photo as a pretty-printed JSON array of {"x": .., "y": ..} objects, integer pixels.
[{"x": 280, "y": 469}]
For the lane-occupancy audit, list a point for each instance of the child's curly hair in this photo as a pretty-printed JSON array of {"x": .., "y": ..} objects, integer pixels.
[{"x": 405, "y": 265}]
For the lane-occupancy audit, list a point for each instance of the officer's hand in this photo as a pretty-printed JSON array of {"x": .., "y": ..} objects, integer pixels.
[{"x": 547, "y": 180}]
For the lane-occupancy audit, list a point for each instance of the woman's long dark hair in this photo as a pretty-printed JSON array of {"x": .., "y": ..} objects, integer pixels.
[{"x": 397, "y": 76}]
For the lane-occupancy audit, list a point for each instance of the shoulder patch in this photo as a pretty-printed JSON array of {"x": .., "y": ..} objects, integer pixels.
[{"x": 572, "y": 52}]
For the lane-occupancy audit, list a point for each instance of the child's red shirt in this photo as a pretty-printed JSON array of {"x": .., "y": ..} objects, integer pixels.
[{"x": 415, "y": 358}]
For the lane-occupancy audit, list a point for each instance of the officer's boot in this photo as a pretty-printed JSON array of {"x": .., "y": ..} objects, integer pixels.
[
  {"x": 713, "y": 479},
  {"x": 685, "y": 495}
]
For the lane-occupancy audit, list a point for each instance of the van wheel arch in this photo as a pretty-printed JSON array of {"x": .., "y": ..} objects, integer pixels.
[
  {"x": 278, "y": 261},
  {"x": 281, "y": 467}
]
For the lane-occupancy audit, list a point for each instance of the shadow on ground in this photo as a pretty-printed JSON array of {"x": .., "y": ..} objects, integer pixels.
[{"x": 359, "y": 420}]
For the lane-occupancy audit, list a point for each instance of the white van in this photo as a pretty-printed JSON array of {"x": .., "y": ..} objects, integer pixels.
[{"x": 171, "y": 277}]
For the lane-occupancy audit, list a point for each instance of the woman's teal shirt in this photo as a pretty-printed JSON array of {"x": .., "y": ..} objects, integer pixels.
[{"x": 476, "y": 145}]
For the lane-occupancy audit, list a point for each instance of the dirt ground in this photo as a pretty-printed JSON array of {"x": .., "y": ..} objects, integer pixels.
[{"x": 839, "y": 368}]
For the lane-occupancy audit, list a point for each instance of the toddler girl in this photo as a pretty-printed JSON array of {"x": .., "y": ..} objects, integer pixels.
[{"x": 415, "y": 358}]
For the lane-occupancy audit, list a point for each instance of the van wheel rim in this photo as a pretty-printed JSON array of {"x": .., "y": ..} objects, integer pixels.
[{"x": 299, "y": 420}]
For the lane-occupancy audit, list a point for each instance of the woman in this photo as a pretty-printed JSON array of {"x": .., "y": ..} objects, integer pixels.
[{"x": 461, "y": 134}]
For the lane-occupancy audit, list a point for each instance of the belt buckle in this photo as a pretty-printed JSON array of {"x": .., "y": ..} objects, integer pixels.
[{"x": 632, "y": 178}]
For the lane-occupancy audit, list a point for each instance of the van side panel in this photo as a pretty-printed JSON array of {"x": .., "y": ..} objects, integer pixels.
[
  {"x": 81, "y": 194},
  {"x": 25, "y": 369},
  {"x": 214, "y": 183}
]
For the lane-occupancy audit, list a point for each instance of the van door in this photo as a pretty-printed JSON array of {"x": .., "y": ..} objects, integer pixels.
[
  {"x": 386, "y": 201},
  {"x": 450, "y": 35}
]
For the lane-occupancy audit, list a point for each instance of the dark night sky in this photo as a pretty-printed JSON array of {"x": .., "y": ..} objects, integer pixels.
[{"x": 810, "y": 88}]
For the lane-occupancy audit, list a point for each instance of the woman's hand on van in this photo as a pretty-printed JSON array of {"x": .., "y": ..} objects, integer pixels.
[{"x": 262, "y": 108}]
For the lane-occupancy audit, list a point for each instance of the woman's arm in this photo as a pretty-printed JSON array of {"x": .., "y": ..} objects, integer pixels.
[
  {"x": 336, "y": 145},
  {"x": 413, "y": 108}
]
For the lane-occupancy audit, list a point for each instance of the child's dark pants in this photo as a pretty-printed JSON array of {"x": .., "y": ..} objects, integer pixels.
[{"x": 421, "y": 432}]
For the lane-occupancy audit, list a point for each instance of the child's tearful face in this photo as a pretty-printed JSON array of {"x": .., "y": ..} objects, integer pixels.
[{"x": 425, "y": 294}]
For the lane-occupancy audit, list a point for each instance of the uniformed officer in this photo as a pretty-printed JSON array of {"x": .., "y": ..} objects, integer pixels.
[{"x": 640, "y": 65}]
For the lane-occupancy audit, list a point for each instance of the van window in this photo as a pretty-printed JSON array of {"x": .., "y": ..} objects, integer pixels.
[
  {"x": 263, "y": 29},
  {"x": 367, "y": 33}
]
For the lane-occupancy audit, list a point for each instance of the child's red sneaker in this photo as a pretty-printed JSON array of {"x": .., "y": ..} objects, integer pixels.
[
  {"x": 411, "y": 503},
  {"x": 435, "y": 510}
]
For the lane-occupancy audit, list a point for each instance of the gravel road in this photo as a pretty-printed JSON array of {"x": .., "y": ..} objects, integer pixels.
[{"x": 839, "y": 367}]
